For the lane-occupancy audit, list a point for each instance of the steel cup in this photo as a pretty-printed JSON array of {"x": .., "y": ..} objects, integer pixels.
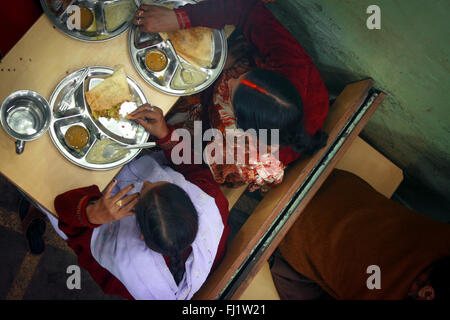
[{"x": 25, "y": 116}]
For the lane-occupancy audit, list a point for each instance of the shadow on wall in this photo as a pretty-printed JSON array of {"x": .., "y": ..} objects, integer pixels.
[
  {"x": 335, "y": 78},
  {"x": 418, "y": 156},
  {"x": 408, "y": 60},
  {"x": 412, "y": 193}
]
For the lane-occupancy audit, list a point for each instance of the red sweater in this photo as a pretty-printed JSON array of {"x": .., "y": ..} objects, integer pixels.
[
  {"x": 71, "y": 209},
  {"x": 277, "y": 50}
]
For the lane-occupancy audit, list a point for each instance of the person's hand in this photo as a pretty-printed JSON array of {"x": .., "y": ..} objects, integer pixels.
[
  {"x": 108, "y": 209},
  {"x": 152, "y": 119},
  {"x": 151, "y": 18}
]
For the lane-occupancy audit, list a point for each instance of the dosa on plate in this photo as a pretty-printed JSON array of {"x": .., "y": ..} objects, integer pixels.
[
  {"x": 105, "y": 98},
  {"x": 193, "y": 45}
]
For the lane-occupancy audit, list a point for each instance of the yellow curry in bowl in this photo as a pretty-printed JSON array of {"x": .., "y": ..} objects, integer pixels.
[
  {"x": 76, "y": 137},
  {"x": 155, "y": 60}
]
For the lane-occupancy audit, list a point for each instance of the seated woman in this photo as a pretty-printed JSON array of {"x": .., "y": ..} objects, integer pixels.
[
  {"x": 155, "y": 233},
  {"x": 276, "y": 87}
]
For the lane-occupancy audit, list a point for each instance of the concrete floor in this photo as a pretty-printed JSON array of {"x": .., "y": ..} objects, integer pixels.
[{"x": 26, "y": 276}]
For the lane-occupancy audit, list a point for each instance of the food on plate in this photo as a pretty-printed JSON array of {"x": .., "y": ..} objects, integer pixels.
[
  {"x": 193, "y": 45},
  {"x": 155, "y": 60},
  {"x": 198, "y": 77},
  {"x": 105, "y": 98},
  {"x": 76, "y": 137},
  {"x": 86, "y": 19},
  {"x": 95, "y": 155},
  {"x": 118, "y": 13}
]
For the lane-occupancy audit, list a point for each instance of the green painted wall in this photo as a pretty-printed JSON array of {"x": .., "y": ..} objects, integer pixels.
[{"x": 409, "y": 60}]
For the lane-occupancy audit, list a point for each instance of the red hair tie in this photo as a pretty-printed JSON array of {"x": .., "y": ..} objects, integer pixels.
[{"x": 252, "y": 85}]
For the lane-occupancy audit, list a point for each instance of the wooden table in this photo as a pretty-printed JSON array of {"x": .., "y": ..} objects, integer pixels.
[{"x": 38, "y": 62}]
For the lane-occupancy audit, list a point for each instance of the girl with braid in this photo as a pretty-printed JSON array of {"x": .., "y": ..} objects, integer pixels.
[
  {"x": 269, "y": 82},
  {"x": 156, "y": 231}
]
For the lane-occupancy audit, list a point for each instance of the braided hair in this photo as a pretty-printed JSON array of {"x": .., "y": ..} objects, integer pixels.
[
  {"x": 168, "y": 221},
  {"x": 266, "y": 100}
]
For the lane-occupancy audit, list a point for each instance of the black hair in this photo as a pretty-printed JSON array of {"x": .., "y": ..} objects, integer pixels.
[
  {"x": 169, "y": 222},
  {"x": 439, "y": 278},
  {"x": 270, "y": 101}
]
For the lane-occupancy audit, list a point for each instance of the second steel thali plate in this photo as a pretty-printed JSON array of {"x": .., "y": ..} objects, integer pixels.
[
  {"x": 102, "y": 131},
  {"x": 101, "y": 20},
  {"x": 140, "y": 43}
]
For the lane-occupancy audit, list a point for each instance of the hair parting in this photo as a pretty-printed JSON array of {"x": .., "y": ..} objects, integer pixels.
[
  {"x": 267, "y": 100},
  {"x": 252, "y": 85},
  {"x": 168, "y": 221}
]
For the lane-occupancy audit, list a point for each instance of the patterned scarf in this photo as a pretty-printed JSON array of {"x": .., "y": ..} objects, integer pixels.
[{"x": 265, "y": 172}]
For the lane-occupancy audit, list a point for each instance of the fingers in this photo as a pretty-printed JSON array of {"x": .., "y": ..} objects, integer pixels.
[
  {"x": 138, "y": 21},
  {"x": 143, "y": 107},
  {"x": 147, "y": 7},
  {"x": 148, "y": 116},
  {"x": 127, "y": 210},
  {"x": 109, "y": 188},
  {"x": 141, "y": 12},
  {"x": 129, "y": 198},
  {"x": 155, "y": 18},
  {"x": 143, "y": 28},
  {"x": 144, "y": 13},
  {"x": 157, "y": 109},
  {"x": 119, "y": 195},
  {"x": 147, "y": 11},
  {"x": 145, "y": 17},
  {"x": 142, "y": 18},
  {"x": 145, "y": 124},
  {"x": 145, "y": 115},
  {"x": 146, "y": 111}
]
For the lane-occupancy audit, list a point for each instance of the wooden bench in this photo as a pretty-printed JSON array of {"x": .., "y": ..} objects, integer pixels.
[
  {"x": 370, "y": 165},
  {"x": 265, "y": 228},
  {"x": 360, "y": 159},
  {"x": 233, "y": 194}
]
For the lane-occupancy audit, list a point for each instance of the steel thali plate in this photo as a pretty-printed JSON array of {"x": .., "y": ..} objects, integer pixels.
[
  {"x": 109, "y": 18},
  {"x": 140, "y": 43},
  {"x": 100, "y": 131}
]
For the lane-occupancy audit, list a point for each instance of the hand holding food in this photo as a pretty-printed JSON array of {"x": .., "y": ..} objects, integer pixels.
[
  {"x": 152, "y": 119},
  {"x": 151, "y": 18},
  {"x": 108, "y": 208}
]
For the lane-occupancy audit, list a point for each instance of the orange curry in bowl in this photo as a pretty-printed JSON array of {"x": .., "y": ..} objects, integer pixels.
[
  {"x": 155, "y": 60},
  {"x": 77, "y": 137}
]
